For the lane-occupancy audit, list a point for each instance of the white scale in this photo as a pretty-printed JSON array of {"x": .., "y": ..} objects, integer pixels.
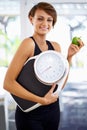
[{"x": 38, "y": 75}]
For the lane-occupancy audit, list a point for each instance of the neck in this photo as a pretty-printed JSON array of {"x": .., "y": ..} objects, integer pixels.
[{"x": 40, "y": 39}]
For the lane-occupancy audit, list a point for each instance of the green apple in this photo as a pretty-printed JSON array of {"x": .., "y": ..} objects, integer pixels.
[{"x": 75, "y": 41}]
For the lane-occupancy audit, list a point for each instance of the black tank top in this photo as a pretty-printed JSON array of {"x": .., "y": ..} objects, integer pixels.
[
  {"x": 36, "y": 52},
  {"x": 52, "y": 107},
  {"x": 37, "y": 49}
]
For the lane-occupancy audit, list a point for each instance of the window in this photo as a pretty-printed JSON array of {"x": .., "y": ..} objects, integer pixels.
[{"x": 9, "y": 30}]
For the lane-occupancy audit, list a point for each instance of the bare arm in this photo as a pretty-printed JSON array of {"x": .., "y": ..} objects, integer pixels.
[{"x": 10, "y": 83}]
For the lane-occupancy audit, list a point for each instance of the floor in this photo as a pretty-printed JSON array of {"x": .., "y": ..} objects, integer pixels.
[{"x": 73, "y": 108}]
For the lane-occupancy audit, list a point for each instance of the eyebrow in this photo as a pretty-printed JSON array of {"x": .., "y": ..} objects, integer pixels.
[{"x": 43, "y": 16}]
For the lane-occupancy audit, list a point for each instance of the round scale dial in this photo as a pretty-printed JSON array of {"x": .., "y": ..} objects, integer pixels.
[{"x": 49, "y": 67}]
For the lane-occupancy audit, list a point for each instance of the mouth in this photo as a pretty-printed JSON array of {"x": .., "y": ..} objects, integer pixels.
[{"x": 44, "y": 28}]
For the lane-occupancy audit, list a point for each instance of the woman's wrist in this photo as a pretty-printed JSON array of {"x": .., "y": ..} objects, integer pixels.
[
  {"x": 69, "y": 58},
  {"x": 40, "y": 100}
]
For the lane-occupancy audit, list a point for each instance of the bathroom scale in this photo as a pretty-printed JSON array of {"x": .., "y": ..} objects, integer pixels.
[{"x": 39, "y": 73}]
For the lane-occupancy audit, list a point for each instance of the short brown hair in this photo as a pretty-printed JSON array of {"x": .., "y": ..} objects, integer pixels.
[{"x": 48, "y": 8}]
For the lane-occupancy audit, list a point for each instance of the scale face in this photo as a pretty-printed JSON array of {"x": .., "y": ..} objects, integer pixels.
[{"x": 49, "y": 67}]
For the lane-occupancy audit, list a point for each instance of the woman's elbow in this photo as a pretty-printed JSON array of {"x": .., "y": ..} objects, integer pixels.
[{"x": 7, "y": 84}]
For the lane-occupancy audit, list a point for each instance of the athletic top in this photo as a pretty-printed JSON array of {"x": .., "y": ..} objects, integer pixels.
[{"x": 37, "y": 49}]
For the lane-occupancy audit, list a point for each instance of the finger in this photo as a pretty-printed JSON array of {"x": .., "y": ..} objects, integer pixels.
[
  {"x": 55, "y": 94},
  {"x": 52, "y": 88},
  {"x": 81, "y": 43},
  {"x": 75, "y": 48}
]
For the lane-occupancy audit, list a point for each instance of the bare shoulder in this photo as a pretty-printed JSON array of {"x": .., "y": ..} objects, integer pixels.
[
  {"x": 27, "y": 40},
  {"x": 56, "y": 46},
  {"x": 24, "y": 51},
  {"x": 27, "y": 46}
]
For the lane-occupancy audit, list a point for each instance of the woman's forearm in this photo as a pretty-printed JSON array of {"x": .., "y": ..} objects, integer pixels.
[{"x": 16, "y": 89}]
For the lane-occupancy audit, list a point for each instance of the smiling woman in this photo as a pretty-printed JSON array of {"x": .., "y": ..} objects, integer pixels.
[{"x": 43, "y": 17}]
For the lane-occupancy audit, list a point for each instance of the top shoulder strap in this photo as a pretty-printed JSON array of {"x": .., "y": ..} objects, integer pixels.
[
  {"x": 50, "y": 47},
  {"x": 37, "y": 49}
]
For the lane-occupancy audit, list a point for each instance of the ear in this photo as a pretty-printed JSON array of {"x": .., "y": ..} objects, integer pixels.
[{"x": 31, "y": 19}]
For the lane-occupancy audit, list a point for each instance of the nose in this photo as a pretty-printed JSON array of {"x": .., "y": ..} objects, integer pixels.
[{"x": 44, "y": 22}]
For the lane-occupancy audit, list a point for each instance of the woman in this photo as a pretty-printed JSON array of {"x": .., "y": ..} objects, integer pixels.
[{"x": 43, "y": 17}]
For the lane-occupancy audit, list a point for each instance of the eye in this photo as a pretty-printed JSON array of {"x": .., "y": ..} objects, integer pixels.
[
  {"x": 50, "y": 20},
  {"x": 40, "y": 19}
]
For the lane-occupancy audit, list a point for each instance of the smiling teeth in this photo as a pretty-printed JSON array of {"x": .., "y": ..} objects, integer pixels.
[{"x": 44, "y": 28}]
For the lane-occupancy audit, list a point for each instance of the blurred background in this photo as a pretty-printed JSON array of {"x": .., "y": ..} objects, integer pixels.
[{"x": 72, "y": 21}]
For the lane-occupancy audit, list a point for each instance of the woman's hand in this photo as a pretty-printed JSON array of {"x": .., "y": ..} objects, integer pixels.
[
  {"x": 73, "y": 49},
  {"x": 50, "y": 97}
]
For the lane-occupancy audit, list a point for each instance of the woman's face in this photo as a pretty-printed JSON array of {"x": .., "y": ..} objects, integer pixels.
[{"x": 42, "y": 22}]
